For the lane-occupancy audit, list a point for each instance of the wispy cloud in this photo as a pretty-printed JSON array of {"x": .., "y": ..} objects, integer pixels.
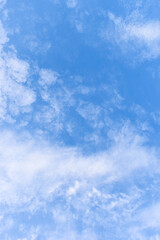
[
  {"x": 51, "y": 187},
  {"x": 34, "y": 173},
  {"x": 15, "y": 95},
  {"x": 2, "y": 3},
  {"x": 3, "y": 36},
  {"x": 47, "y": 77},
  {"x": 137, "y": 33},
  {"x": 26, "y": 163},
  {"x": 72, "y": 3}
]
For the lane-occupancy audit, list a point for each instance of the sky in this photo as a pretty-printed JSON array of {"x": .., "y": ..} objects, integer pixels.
[{"x": 79, "y": 120}]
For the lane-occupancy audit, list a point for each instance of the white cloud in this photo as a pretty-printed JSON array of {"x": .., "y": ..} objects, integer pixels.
[
  {"x": 71, "y": 3},
  {"x": 47, "y": 77},
  {"x": 23, "y": 164},
  {"x": 146, "y": 220},
  {"x": 17, "y": 69},
  {"x": 60, "y": 99},
  {"x": 15, "y": 96},
  {"x": 138, "y": 33},
  {"x": 156, "y": 117},
  {"x": 35, "y": 44},
  {"x": 57, "y": 100},
  {"x": 79, "y": 26},
  {"x": 31, "y": 168},
  {"x": 138, "y": 110},
  {"x": 72, "y": 190},
  {"x": 147, "y": 32},
  {"x": 2, "y": 3},
  {"x": 91, "y": 113},
  {"x": 34, "y": 172},
  {"x": 3, "y": 36}
]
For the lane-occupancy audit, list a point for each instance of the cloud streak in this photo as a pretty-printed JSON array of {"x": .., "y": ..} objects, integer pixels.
[
  {"x": 34, "y": 173},
  {"x": 29, "y": 166},
  {"x": 137, "y": 33}
]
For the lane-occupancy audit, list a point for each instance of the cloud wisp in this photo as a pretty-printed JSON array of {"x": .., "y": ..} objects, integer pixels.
[
  {"x": 34, "y": 172},
  {"x": 135, "y": 34},
  {"x": 75, "y": 160}
]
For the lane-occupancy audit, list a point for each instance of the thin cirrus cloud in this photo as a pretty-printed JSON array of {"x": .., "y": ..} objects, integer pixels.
[
  {"x": 137, "y": 34},
  {"x": 15, "y": 95},
  {"x": 26, "y": 163},
  {"x": 34, "y": 173},
  {"x": 3, "y": 38},
  {"x": 72, "y": 3},
  {"x": 47, "y": 77},
  {"x": 2, "y": 3},
  {"x": 54, "y": 189}
]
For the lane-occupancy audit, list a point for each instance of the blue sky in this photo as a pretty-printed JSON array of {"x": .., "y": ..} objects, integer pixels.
[{"x": 79, "y": 120}]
